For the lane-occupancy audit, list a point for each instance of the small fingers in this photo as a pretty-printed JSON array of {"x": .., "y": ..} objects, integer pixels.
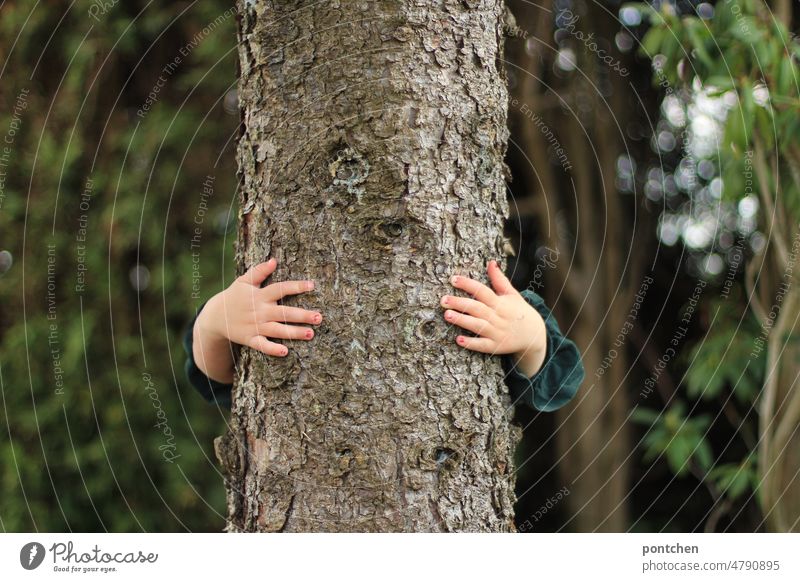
[
  {"x": 465, "y": 305},
  {"x": 473, "y": 324},
  {"x": 284, "y": 314},
  {"x": 277, "y": 291},
  {"x": 258, "y": 273},
  {"x": 499, "y": 280},
  {"x": 263, "y": 345},
  {"x": 478, "y": 290},
  {"x": 477, "y": 344},
  {"x": 282, "y": 331}
]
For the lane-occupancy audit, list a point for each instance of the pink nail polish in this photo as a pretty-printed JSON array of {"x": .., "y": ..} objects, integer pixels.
[
  {"x": 445, "y": 300},
  {"x": 460, "y": 339},
  {"x": 309, "y": 334}
]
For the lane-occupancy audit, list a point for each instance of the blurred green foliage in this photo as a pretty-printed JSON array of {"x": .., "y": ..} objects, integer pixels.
[
  {"x": 743, "y": 50},
  {"x": 678, "y": 438},
  {"x": 100, "y": 430},
  {"x": 721, "y": 364},
  {"x": 745, "y": 55}
]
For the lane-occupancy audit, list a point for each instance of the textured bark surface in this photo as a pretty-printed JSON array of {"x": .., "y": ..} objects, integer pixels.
[{"x": 371, "y": 160}]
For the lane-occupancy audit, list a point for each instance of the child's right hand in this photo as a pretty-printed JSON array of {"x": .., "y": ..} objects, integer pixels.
[{"x": 247, "y": 314}]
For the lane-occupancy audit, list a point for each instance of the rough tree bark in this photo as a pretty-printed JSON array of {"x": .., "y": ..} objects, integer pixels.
[{"x": 371, "y": 160}]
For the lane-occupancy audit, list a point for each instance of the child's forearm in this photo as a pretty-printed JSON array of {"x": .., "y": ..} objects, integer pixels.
[
  {"x": 212, "y": 353},
  {"x": 530, "y": 361}
]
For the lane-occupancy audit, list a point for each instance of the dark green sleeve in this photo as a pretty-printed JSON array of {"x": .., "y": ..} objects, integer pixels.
[
  {"x": 561, "y": 373},
  {"x": 211, "y": 390}
]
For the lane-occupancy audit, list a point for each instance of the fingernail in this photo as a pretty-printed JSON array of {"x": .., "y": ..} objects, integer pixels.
[
  {"x": 460, "y": 339},
  {"x": 448, "y": 315},
  {"x": 454, "y": 279},
  {"x": 284, "y": 351},
  {"x": 309, "y": 334},
  {"x": 310, "y": 285},
  {"x": 445, "y": 299},
  {"x": 317, "y": 318}
]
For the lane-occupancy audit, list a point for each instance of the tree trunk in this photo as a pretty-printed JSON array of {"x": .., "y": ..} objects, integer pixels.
[
  {"x": 775, "y": 298},
  {"x": 779, "y": 477},
  {"x": 778, "y": 294},
  {"x": 371, "y": 161}
]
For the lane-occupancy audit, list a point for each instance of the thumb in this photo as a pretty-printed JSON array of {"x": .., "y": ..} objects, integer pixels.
[
  {"x": 258, "y": 273},
  {"x": 501, "y": 284}
]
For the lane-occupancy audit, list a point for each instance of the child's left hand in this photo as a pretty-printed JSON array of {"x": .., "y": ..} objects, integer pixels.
[{"x": 504, "y": 320}]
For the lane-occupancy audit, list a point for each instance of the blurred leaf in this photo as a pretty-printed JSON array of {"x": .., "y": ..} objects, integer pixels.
[
  {"x": 734, "y": 479},
  {"x": 678, "y": 439},
  {"x": 724, "y": 358},
  {"x": 644, "y": 415},
  {"x": 699, "y": 35},
  {"x": 651, "y": 44},
  {"x": 748, "y": 30}
]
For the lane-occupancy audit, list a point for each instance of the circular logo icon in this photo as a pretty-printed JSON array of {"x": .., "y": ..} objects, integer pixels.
[{"x": 31, "y": 555}]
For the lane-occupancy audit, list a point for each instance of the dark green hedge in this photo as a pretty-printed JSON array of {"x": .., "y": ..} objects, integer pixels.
[{"x": 116, "y": 143}]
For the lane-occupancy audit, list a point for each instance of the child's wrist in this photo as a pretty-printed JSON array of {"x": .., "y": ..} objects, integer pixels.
[
  {"x": 528, "y": 362},
  {"x": 205, "y": 323}
]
